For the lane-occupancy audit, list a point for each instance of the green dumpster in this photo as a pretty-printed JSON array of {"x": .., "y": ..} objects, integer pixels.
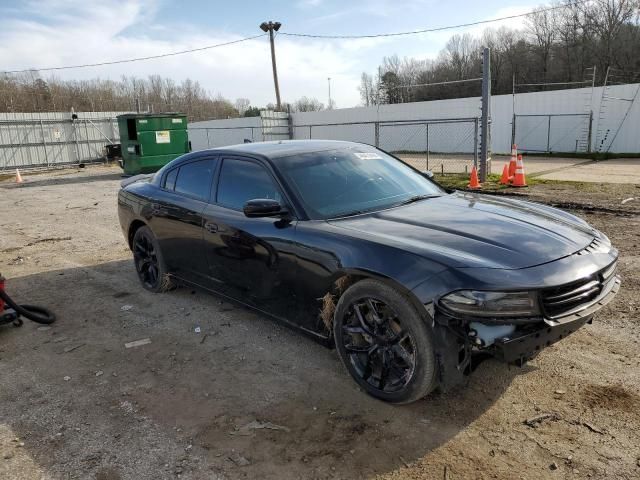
[{"x": 151, "y": 140}]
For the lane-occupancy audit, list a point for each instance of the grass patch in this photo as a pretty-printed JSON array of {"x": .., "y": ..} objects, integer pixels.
[
  {"x": 587, "y": 156},
  {"x": 459, "y": 181}
]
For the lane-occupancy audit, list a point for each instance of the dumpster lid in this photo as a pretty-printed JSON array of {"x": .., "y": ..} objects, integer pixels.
[{"x": 152, "y": 115}]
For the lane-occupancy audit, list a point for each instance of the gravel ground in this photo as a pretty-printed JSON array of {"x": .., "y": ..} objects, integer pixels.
[{"x": 248, "y": 398}]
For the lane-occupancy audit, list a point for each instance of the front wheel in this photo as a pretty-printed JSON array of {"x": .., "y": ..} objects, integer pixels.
[
  {"x": 384, "y": 343},
  {"x": 150, "y": 266}
]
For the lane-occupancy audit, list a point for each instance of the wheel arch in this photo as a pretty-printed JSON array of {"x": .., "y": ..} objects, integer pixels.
[
  {"x": 342, "y": 279},
  {"x": 133, "y": 228}
]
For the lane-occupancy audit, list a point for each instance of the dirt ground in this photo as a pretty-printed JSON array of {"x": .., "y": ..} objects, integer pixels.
[{"x": 248, "y": 398}]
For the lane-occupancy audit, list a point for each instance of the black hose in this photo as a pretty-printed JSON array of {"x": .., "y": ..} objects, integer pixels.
[{"x": 32, "y": 312}]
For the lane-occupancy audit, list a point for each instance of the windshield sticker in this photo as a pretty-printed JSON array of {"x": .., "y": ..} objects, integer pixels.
[{"x": 367, "y": 155}]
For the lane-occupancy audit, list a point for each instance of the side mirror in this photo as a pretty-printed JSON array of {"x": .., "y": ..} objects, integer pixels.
[
  {"x": 263, "y": 207},
  {"x": 428, "y": 174}
]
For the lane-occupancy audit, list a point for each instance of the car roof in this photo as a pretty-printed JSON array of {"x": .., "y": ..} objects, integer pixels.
[{"x": 284, "y": 148}]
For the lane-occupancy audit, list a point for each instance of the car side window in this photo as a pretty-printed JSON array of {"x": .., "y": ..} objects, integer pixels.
[
  {"x": 170, "y": 179},
  {"x": 241, "y": 181},
  {"x": 194, "y": 179}
]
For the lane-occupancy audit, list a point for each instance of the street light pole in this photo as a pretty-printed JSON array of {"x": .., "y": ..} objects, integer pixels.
[
  {"x": 329, "y": 81},
  {"x": 270, "y": 27}
]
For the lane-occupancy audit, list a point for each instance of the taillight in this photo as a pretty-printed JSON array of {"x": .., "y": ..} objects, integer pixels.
[{"x": 1, "y": 289}]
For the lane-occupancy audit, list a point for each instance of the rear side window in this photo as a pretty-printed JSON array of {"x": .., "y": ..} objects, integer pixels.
[
  {"x": 241, "y": 181},
  {"x": 194, "y": 179}
]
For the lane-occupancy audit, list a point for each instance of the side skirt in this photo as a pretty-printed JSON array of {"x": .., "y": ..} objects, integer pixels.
[{"x": 325, "y": 340}]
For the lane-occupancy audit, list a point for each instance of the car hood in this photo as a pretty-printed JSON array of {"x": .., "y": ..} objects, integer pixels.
[{"x": 472, "y": 230}]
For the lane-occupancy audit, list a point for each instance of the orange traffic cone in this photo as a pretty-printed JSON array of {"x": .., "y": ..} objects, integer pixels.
[
  {"x": 18, "y": 176},
  {"x": 474, "y": 184},
  {"x": 519, "y": 179},
  {"x": 504, "y": 179},
  {"x": 512, "y": 162}
]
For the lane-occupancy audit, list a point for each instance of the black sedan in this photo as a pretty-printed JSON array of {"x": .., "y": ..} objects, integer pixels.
[{"x": 349, "y": 244}]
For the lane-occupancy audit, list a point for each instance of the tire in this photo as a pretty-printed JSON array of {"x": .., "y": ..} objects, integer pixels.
[
  {"x": 387, "y": 348},
  {"x": 149, "y": 262}
]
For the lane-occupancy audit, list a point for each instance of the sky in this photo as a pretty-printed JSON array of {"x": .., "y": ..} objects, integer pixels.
[{"x": 51, "y": 33}]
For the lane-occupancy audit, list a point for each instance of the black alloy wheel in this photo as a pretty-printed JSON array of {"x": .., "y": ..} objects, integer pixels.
[
  {"x": 149, "y": 262},
  {"x": 380, "y": 351},
  {"x": 384, "y": 343}
]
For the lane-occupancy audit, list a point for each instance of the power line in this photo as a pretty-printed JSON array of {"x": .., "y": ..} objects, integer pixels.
[
  {"x": 138, "y": 59},
  {"x": 306, "y": 35},
  {"x": 435, "y": 29}
]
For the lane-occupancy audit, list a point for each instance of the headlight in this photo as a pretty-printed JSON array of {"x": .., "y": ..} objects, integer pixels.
[{"x": 492, "y": 304}]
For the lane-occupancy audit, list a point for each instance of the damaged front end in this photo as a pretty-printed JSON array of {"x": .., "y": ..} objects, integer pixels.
[{"x": 513, "y": 326}]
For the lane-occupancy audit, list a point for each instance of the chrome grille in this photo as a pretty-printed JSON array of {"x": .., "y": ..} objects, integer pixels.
[{"x": 571, "y": 297}]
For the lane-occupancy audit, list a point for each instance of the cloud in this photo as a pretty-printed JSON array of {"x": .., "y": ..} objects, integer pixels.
[
  {"x": 77, "y": 33},
  {"x": 69, "y": 32},
  {"x": 308, "y": 3}
]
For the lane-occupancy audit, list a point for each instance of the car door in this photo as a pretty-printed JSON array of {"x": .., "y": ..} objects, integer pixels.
[
  {"x": 177, "y": 216},
  {"x": 251, "y": 259}
]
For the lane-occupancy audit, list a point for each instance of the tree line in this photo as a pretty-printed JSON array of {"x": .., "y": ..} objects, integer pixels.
[
  {"x": 560, "y": 46},
  {"x": 29, "y": 92}
]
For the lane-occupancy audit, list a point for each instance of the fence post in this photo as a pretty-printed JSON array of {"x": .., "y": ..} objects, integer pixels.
[
  {"x": 475, "y": 142},
  {"x": 427, "y": 146},
  {"x": 549, "y": 134},
  {"x": 590, "y": 132},
  {"x": 377, "y": 133},
  {"x": 75, "y": 138},
  {"x": 113, "y": 131},
  {"x": 513, "y": 130},
  {"x": 310, "y": 137},
  {"x": 44, "y": 142},
  {"x": 86, "y": 133},
  {"x": 485, "y": 148},
  {"x": 290, "y": 125}
]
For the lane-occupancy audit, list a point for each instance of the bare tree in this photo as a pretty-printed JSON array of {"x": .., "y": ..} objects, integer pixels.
[
  {"x": 542, "y": 28},
  {"x": 557, "y": 46},
  {"x": 241, "y": 105},
  {"x": 305, "y": 104},
  {"x": 367, "y": 90}
]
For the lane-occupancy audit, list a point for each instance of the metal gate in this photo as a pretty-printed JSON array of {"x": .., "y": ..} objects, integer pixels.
[
  {"x": 552, "y": 133},
  {"x": 39, "y": 140}
]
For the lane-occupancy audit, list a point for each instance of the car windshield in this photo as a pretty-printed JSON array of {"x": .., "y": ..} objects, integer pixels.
[{"x": 353, "y": 180}]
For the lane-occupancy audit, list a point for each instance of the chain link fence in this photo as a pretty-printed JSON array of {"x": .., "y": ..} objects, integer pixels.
[
  {"x": 271, "y": 126},
  {"x": 212, "y": 137},
  {"x": 441, "y": 145},
  {"x": 553, "y": 133},
  {"x": 29, "y": 141}
]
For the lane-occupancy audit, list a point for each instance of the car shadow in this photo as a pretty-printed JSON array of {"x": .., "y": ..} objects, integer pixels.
[{"x": 246, "y": 394}]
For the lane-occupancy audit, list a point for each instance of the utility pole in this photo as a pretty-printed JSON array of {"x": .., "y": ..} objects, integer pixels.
[
  {"x": 270, "y": 27},
  {"x": 329, "y": 81}
]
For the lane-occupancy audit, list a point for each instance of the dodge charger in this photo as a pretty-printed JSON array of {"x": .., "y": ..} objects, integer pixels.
[{"x": 411, "y": 283}]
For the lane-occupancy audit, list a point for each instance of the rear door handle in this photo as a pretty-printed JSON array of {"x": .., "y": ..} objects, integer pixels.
[{"x": 211, "y": 227}]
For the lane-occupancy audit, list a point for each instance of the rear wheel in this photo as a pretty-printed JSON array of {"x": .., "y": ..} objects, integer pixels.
[
  {"x": 384, "y": 343},
  {"x": 149, "y": 262}
]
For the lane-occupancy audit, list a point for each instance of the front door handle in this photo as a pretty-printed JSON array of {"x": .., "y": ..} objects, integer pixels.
[{"x": 211, "y": 227}]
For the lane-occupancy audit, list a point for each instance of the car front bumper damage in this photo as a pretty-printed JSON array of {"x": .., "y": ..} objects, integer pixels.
[{"x": 520, "y": 348}]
